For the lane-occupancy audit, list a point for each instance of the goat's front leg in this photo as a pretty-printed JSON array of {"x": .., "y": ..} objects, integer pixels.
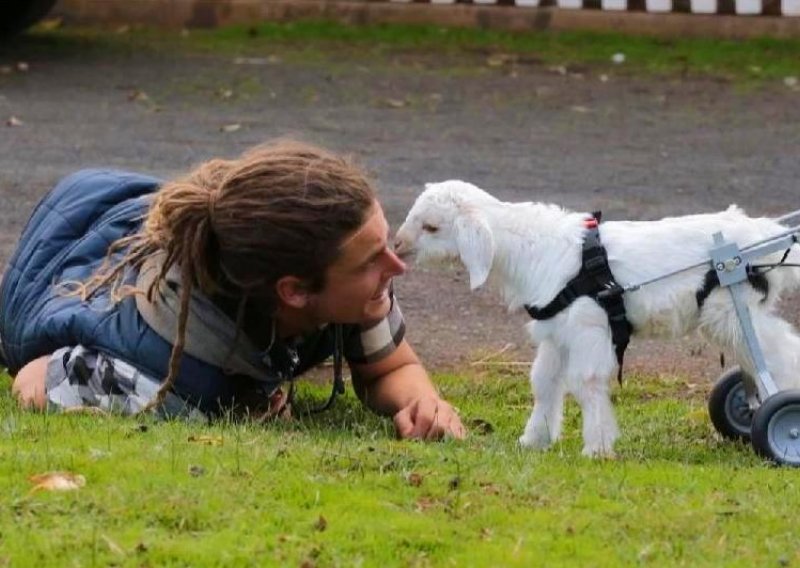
[{"x": 544, "y": 425}]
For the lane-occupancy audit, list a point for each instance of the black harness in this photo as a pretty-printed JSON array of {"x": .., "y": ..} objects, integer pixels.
[{"x": 594, "y": 280}]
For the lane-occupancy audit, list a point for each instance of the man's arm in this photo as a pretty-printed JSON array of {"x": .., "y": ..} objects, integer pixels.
[{"x": 399, "y": 386}]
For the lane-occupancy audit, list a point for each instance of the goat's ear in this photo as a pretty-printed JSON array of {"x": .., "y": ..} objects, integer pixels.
[{"x": 475, "y": 247}]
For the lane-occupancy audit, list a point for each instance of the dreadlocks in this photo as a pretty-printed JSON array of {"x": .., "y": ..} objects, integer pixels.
[{"x": 234, "y": 227}]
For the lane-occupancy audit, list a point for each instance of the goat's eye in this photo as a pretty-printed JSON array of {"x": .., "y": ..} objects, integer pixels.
[{"x": 428, "y": 228}]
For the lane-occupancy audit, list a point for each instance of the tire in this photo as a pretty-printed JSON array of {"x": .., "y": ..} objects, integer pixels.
[
  {"x": 17, "y": 15},
  {"x": 776, "y": 429},
  {"x": 728, "y": 407}
]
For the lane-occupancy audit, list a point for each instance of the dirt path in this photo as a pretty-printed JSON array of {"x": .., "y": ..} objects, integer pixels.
[{"x": 634, "y": 147}]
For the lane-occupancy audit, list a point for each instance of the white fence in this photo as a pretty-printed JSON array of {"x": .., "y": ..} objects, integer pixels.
[{"x": 740, "y": 7}]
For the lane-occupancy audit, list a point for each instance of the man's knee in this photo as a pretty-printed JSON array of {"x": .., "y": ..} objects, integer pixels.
[{"x": 28, "y": 387}]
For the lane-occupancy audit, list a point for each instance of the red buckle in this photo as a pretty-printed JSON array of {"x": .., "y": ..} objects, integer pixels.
[{"x": 590, "y": 223}]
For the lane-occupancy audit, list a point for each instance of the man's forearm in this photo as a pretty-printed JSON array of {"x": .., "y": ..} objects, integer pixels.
[{"x": 388, "y": 394}]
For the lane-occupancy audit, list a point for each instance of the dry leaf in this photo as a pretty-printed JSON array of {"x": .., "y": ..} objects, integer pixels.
[
  {"x": 23, "y": 67},
  {"x": 14, "y": 121},
  {"x": 271, "y": 60},
  {"x": 580, "y": 109},
  {"x": 321, "y": 524},
  {"x": 396, "y": 103},
  {"x": 415, "y": 479},
  {"x": 49, "y": 24},
  {"x": 230, "y": 128},
  {"x": 57, "y": 481},
  {"x": 206, "y": 439},
  {"x": 138, "y": 96},
  {"x": 196, "y": 470},
  {"x": 499, "y": 59}
]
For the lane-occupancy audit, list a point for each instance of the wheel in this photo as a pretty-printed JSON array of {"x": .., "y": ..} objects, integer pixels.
[
  {"x": 728, "y": 407},
  {"x": 16, "y": 15},
  {"x": 776, "y": 428}
]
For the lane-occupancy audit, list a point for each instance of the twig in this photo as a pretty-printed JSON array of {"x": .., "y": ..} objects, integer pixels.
[{"x": 505, "y": 348}]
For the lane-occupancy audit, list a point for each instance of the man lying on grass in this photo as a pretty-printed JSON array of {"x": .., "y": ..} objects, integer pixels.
[{"x": 207, "y": 293}]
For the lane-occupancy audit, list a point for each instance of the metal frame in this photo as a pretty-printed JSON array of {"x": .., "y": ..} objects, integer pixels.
[{"x": 730, "y": 263}]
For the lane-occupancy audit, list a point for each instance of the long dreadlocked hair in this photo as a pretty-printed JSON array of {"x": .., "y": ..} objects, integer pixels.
[{"x": 234, "y": 227}]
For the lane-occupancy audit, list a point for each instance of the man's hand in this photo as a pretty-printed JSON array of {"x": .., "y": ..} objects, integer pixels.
[{"x": 429, "y": 418}]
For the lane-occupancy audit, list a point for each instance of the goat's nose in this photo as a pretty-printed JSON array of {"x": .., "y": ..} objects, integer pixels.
[{"x": 400, "y": 247}]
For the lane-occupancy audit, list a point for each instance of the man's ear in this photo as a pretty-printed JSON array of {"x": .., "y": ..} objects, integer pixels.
[
  {"x": 293, "y": 292},
  {"x": 475, "y": 247}
]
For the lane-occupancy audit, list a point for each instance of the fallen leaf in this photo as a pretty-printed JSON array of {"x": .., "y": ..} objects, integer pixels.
[
  {"x": 580, "y": 109},
  {"x": 618, "y": 58},
  {"x": 225, "y": 93},
  {"x": 206, "y": 439},
  {"x": 138, "y": 96},
  {"x": 230, "y": 128},
  {"x": 14, "y": 121},
  {"x": 50, "y": 24},
  {"x": 499, "y": 59},
  {"x": 196, "y": 470},
  {"x": 791, "y": 81},
  {"x": 415, "y": 479},
  {"x": 271, "y": 60},
  {"x": 57, "y": 481},
  {"x": 23, "y": 67},
  {"x": 480, "y": 426},
  {"x": 396, "y": 103}
]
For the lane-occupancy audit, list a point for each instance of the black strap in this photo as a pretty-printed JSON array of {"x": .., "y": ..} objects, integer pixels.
[
  {"x": 594, "y": 279},
  {"x": 338, "y": 379},
  {"x": 755, "y": 276}
]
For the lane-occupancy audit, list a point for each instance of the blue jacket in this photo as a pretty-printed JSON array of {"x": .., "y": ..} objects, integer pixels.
[{"x": 66, "y": 239}]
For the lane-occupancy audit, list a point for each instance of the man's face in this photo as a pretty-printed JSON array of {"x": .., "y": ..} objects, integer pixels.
[{"x": 357, "y": 284}]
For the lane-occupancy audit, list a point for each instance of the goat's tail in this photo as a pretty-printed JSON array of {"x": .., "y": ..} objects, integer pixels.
[{"x": 786, "y": 272}]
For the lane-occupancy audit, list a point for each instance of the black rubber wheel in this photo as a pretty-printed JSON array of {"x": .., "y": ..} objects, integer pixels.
[
  {"x": 728, "y": 408},
  {"x": 776, "y": 428},
  {"x": 17, "y": 15}
]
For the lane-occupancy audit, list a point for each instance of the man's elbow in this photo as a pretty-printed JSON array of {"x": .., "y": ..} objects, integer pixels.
[{"x": 28, "y": 387}]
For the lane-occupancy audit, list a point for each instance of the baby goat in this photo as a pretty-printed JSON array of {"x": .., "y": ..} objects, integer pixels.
[{"x": 532, "y": 250}]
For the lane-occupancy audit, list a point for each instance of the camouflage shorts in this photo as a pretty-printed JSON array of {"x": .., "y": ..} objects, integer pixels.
[{"x": 78, "y": 377}]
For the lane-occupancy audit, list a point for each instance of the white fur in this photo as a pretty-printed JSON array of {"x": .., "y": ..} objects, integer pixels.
[{"x": 531, "y": 250}]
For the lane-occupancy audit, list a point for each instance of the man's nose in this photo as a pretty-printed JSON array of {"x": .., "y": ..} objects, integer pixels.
[{"x": 397, "y": 265}]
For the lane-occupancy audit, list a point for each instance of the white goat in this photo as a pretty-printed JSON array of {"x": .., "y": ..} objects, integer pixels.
[{"x": 531, "y": 250}]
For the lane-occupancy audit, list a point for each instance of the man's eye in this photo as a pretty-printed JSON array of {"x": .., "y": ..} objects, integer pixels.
[{"x": 428, "y": 228}]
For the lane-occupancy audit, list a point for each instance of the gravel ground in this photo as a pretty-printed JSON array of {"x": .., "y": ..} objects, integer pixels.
[{"x": 635, "y": 147}]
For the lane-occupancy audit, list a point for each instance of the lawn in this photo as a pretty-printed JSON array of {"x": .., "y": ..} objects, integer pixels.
[
  {"x": 753, "y": 61},
  {"x": 338, "y": 490}
]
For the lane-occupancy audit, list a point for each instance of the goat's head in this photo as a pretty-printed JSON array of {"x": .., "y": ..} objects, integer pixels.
[{"x": 447, "y": 222}]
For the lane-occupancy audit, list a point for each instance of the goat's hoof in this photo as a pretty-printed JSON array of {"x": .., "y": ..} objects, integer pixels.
[
  {"x": 532, "y": 443},
  {"x": 599, "y": 453}
]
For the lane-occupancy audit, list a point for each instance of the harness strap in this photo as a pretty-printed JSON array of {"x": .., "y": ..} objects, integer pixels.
[
  {"x": 755, "y": 277},
  {"x": 594, "y": 280}
]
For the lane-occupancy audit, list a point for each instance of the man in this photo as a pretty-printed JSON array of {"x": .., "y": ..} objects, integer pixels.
[{"x": 243, "y": 274}]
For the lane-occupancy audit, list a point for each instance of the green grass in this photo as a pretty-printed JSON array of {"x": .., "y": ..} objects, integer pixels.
[
  {"x": 339, "y": 490},
  {"x": 749, "y": 61}
]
